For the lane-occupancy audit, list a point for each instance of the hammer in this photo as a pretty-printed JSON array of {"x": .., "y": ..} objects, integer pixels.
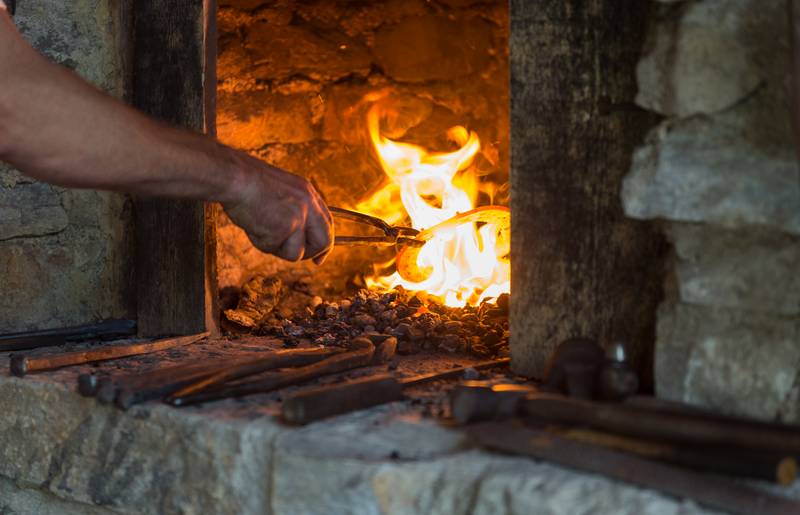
[{"x": 715, "y": 442}]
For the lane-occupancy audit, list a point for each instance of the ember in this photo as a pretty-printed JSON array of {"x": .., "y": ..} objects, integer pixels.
[{"x": 418, "y": 321}]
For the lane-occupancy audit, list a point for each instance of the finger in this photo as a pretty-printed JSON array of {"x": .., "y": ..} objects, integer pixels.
[
  {"x": 319, "y": 235},
  {"x": 294, "y": 247},
  {"x": 321, "y": 258},
  {"x": 321, "y": 205}
]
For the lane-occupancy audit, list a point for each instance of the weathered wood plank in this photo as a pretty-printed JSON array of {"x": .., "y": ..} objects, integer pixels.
[
  {"x": 174, "y": 244},
  {"x": 579, "y": 267}
]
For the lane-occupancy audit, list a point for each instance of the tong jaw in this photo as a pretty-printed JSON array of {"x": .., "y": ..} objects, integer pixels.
[{"x": 392, "y": 234}]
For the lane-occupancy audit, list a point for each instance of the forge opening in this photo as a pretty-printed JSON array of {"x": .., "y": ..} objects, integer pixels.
[{"x": 398, "y": 110}]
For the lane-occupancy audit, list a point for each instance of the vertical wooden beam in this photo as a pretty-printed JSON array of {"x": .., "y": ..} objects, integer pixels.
[
  {"x": 174, "y": 81},
  {"x": 579, "y": 267}
]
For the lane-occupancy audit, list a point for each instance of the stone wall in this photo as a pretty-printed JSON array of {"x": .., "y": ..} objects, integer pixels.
[
  {"x": 721, "y": 171},
  {"x": 64, "y": 253},
  {"x": 292, "y": 76}
]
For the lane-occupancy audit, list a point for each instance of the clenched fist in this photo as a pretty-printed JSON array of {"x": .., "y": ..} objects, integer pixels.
[{"x": 281, "y": 213}]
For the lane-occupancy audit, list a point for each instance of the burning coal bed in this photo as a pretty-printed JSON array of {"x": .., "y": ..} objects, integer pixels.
[{"x": 419, "y": 321}]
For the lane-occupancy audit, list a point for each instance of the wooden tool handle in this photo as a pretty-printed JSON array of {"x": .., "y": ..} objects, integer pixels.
[
  {"x": 770, "y": 466},
  {"x": 285, "y": 377},
  {"x": 705, "y": 489},
  {"x": 330, "y": 400},
  {"x": 671, "y": 427}
]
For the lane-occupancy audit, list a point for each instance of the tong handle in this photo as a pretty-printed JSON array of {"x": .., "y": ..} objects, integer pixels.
[{"x": 355, "y": 216}]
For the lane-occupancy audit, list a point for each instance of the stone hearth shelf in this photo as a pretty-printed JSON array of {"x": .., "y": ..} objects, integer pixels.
[{"x": 64, "y": 454}]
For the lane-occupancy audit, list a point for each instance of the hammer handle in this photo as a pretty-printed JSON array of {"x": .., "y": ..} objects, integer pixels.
[{"x": 330, "y": 400}]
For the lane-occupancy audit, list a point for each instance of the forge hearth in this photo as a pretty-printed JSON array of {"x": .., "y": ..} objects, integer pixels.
[{"x": 298, "y": 82}]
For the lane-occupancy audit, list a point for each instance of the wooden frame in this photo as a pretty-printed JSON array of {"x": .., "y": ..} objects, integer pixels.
[
  {"x": 174, "y": 80},
  {"x": 579, "y": 266}
]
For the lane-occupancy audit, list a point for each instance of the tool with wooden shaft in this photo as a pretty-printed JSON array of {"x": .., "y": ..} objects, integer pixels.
[
  {"x": 126, "y": 391},
  {"x": 330, "y": 400},
  {"x": 21, "y": 365},
  {"x": 712, "y": 443},
  {"x": 361, "y": 352},
  {"x": 705, "y": 489}
]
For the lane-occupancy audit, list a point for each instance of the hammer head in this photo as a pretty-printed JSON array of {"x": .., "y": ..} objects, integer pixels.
[
  {"x": 474, "y": 401},
  {"x": 385, "y": 348}
]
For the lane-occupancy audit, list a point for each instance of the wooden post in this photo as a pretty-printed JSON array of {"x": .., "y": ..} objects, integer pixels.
[
  {"x": 175, "y": 81},
  {"x": 579, "y": 267}
]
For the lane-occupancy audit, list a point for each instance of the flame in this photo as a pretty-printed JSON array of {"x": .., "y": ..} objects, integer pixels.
[{"x": 461, "y": 263}]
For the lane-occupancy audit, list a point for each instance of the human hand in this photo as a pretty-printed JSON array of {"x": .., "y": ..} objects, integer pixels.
[{"x": 281, "y": 213}]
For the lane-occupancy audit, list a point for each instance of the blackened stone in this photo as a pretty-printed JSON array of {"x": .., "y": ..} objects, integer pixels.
[{"x": 433, "y": 48}]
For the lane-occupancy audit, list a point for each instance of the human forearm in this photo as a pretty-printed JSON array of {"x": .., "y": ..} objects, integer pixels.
[{"x": 57, "y": 128}]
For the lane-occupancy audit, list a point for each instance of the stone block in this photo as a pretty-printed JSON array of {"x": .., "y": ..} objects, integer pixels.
[
  {"x": 735, "y": 361},
  {"x": 280, "y": 51},
  {"x": 364, "y": 19},
  {"x": 748, "y": 269},
  {"x": 253, "y": 119},
  {"x": 79, "y": 275},
  {"x": 150, "y": 460},
  {"x": 734, "y": 169},
  {"x": 65, "y": 255},
  {"x": 345, "y": 117},
  {"x": 31, "y": 210},
  {"x": 10, "y": 177},
  {"x": 710, "y": 55},
  {"x": 89, "y": 37},
  {"x": 433, "y": 48},
  {"x": 61, "y": 453},
  {"x": 480, "y": 483},
  {"x": 25, "y": 500}
]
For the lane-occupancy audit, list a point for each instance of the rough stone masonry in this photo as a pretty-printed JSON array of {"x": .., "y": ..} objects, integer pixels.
[
  {"x": 292, "y": 76},
  {"x": 721, "y": 171},
  {"x": 63, "y": 253}
]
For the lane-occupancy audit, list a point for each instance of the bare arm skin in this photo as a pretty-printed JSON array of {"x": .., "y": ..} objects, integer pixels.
[{"x": 57, "y": 128}]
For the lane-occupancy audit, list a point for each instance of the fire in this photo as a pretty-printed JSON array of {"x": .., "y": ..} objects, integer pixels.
[{"x": 465, "y": 260}]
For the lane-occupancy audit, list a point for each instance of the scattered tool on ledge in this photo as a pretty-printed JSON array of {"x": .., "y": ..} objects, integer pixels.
[
  {"x": 125, "y": 391},
  {"x": 713, "y": 492},
  {"x": 21, "y": 365},
  {"x": 330, "y": 400},
  {"x": 361, "y": 352},
  {"x": 104, "y": 330}
]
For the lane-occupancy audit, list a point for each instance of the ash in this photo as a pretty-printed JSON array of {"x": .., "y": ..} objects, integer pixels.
[{"x": 418, "y": 321}]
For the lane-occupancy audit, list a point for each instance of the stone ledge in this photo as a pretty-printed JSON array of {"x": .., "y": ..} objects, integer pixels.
[{"x": 60, "y": 453}]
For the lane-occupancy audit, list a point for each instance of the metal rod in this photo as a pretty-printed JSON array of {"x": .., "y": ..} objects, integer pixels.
[
  {"x": 52, "y": 337},
  {"x": 672, "y": 427},
  {"x": 287, "y": 377},
  {"x": 331, "y": 400},
  {"x": 21, "y": 365},
  {"x": 714, "y": 492},
  {"x": 280, "y": 359}
]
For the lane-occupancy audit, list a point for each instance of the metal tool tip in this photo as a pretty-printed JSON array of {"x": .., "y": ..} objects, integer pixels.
[
  {"x": 19, "y": 365},
  {"x": 617, "y": 353}
]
